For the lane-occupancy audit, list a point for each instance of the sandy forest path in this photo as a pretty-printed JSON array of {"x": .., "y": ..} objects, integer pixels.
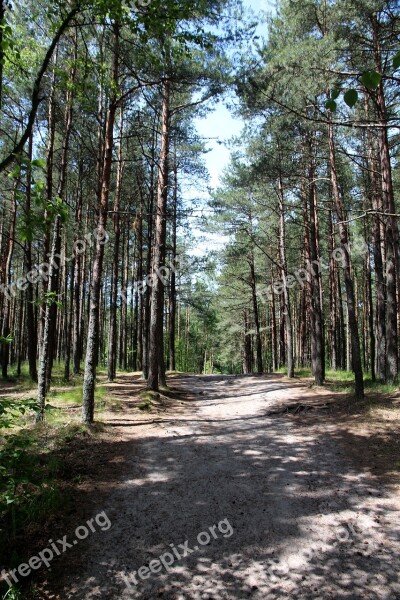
[{"x": 294, "y": 517}]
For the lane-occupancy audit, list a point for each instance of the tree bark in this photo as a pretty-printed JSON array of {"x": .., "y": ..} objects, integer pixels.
[
  {"x": 344, "y": 240},
  {"x": 380, "y": 288},
  {"x": 256, "y": 315},
  {"x": 112, "y": 334},
  {"x": 286, "y": 296},
  {"x": 392, "y": 229},
  {"x": 62, "y": 183},
  {"x": 89, "y": 381},
  {"x": 79, "y": 267},
  {"x": 317, "y": 327},
  {"x": 156, "y": 337},
  {"x": 140, "y": 295},
  {"x": 36, "y": 93},
  {"x": 31, "y": 318},
  {"x": 172, "y": 295},
  {"x": 5, "y": 328}
]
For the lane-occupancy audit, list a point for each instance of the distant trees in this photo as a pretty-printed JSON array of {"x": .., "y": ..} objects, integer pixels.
[
  {"x": 339, "y": 182},
  {"x": 98, "y": 151},
  {"x": 85, "y": 144}
]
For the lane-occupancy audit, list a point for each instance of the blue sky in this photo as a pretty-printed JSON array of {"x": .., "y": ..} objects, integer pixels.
[{"x": 221, "y": 123}]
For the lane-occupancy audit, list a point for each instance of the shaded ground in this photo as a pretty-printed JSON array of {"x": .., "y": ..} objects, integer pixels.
[{"x": 309, "y": 519}]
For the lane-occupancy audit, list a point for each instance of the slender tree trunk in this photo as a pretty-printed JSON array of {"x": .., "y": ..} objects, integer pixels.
[
  {"x": 3, "y": 7},
  {"x": 333, "y": 300},
  {"x": 286, "y": 296},
  {"x": 22, "y": 340},
  {"x": 302, "y": 337},
  {"x": 282, "y": 336},
  {"x": 93, "y": 327},
  {"x": 370, "y": 316},
  {"x": 344, "y": 240},
  {"x": 124, "y": 329},
  {"x": 380, "y": 288},
  {"x": 248, "y": 354},
  {"x": 392, "y": 229},
  {"x": 68, "y": 318},
  {"x": 29, "y": 295},
  {"x": 172, "y": 296},
  {"x": 55, "y": 279},
  {"x": 341, "y": 327},
  {"x": 156, "y": 343},
  {"x": 256, "y": 315},
  {"x": 78, "y": 268},
  {"x": 49, "y": 187},
  {"x": 140, "y": 295},
  {"x": 44, "y": 350},
  {"x": 317, "y": 337},
  {"x": 112, "y": 345},
  {"x": 149, "y": 258},
  {"x": 274, "y": 329},
  {"x": 5, "y": 329}
]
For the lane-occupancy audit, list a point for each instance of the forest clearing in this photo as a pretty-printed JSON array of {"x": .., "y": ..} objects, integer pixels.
[{"x": 199, "y": 299}]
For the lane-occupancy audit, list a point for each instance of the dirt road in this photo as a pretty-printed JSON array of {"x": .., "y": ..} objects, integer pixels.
[{"x": 292, "y": 516}]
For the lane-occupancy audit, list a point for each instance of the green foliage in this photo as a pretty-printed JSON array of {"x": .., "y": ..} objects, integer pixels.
[
  {"x": 11, "y": 411},
  {"x": 146, "y": 404},
  {"x": 8, "y": 45},
  {"x": 13, "y": 594},
  {"x": 26, "y": 491},
  {"x": 29, "y": 467},
  {"x": 48, "y": 298},
  {"x": 42, "y": 212},
  {"x": 371, "y": 79},
  {"x": 74, "y": 397},
  {"x": 331, "y": 105},
  {"x": 351, "y": 98}
]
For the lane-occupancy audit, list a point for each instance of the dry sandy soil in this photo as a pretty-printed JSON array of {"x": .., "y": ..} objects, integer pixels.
[{"x": 304, "y": 516}]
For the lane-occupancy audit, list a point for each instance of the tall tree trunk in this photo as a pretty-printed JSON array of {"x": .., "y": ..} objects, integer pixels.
[
  {"x": 124, "y": 330},
  {"x": 344, "y": 240},
  {"x": 302, "y": 335},
  {"x": 256, "y": 315},
  {"x": 112, "y": 343},
  {"x": 247, "y": 354},
  {"x": 78, "y": 268},
  {"x": 31, "y": 319},
  {"x": 172, "y": 295},
  {"x": 5, "y": 329},
  {"x": 140, "y": 295},
  {"x": 3, "y": 7},
  {"x": 370, "y": 316},
  {"x": 392, "y": 229},
  {"x": 49, "y": 187},
  {"x": 380, "y": 288},
  {"x": 44, "y": 350},
  {"x": 156, "y": 338},
  {"x": 274, "y": 342},
  {"x": 22, "y": 340},
  {"x": 61, "y": 188},
  {"x": 341, "y": 328},
  {"x": 149, "y": 258},
  {"x": 89, "y": 381},
  {"x": 333, "y": 300},
  {"x": 317, "y": 328},
  {"x": 286, "y": 296}
]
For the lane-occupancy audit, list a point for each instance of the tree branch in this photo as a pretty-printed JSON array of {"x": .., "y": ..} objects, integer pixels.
[{"x": 35, "y": 101}]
